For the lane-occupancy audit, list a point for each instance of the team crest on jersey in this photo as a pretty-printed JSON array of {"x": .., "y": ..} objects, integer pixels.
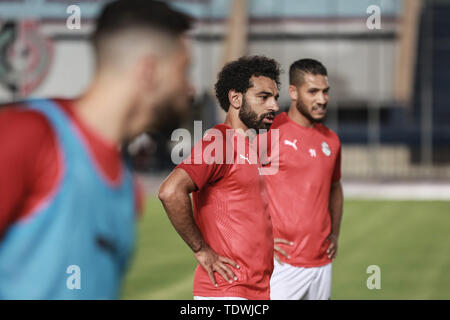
[{"x": 326, "y": 149}]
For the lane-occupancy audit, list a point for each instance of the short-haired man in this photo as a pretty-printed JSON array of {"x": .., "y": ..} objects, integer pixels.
[
  {"x": 229, "y": 229},
  {"x": 67, "y": 207},
  {"x": 306, "y": 194}
]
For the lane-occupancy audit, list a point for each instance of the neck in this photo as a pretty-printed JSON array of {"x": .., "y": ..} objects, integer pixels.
[
  {"x": 298, "y": 117},
  {"x": 102, "y": 108},
  {"x": 232, "y": 120}
]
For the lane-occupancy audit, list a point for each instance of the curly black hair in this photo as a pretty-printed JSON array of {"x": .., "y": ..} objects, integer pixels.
[{"x": 236, "y": 76}]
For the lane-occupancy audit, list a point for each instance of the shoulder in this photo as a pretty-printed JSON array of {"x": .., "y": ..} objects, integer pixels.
[
  {"x": 280, "y": 120},
  {"x": 327, "y": 132},
  {"x": 220, "y": 133},
  {"x": 20, "y": 123},
  {"x": 212, "y": 147}
]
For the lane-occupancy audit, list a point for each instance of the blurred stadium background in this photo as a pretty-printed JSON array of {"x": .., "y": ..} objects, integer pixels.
[{"x": 389, "y": 105}]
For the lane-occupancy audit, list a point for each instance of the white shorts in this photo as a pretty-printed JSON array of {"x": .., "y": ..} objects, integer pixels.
[
  {"x": 218, "y": 298},
  {"x": 297, "y": 283}
]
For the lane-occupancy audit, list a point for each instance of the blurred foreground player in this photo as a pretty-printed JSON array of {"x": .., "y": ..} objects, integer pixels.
[
  {"x": 306, "y": 194},
  {"x": 229, "y": 230},
  {"x": 67, "y": 195}
]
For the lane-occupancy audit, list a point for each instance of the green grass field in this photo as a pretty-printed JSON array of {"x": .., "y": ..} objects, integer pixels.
[{"x": 408, "y": 240}]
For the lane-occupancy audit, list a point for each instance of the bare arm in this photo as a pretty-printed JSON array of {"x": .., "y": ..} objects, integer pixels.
[
  {"x": 336, "y": 207},
  {"x": 174, "y": 194}
]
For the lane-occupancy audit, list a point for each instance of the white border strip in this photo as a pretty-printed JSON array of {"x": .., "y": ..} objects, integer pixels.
[{"x": 397, "y": 191}]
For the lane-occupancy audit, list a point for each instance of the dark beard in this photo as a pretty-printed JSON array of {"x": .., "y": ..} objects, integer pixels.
[
  {"x": 250, "y": 118},
  {"x": 167, "y": 121},
  {"x": 169, "y": 118},
  {"x": 304, "y": 111}
]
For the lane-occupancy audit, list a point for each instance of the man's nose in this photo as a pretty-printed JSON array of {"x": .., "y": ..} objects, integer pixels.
[
  {"x": 274, "y": 106},
  {"x": 322, "y": 99}
]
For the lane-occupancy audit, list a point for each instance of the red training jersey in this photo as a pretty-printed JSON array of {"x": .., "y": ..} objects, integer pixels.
[
  {"x": 309, "y": 162},
  {"x": 230, "y": 209},
  {"x": 30, "y": 163}
]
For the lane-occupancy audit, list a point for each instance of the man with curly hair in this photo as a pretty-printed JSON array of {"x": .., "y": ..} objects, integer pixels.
[{"x": 229, "y": 230}]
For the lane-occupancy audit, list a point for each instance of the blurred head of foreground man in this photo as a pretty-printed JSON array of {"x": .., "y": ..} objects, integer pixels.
[
  {"x": 229, "y": 229},
  {"x": 305, "y": 195},
  {"x": 68, "y": 200},
  {"x": 142, "y": 66}
]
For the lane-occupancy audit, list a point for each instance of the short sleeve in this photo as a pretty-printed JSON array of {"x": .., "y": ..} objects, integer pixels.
[{"x": 28, "y": 167}]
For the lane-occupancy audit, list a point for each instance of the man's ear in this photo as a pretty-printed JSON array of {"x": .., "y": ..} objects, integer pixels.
[
  {"x": 146, "y": 71},
  {"x": 293, "y": 93},
  {"x": 235, "y": 99}
]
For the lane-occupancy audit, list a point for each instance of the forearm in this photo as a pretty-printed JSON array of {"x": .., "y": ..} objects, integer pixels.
[{"x": 336, "y": 207}]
